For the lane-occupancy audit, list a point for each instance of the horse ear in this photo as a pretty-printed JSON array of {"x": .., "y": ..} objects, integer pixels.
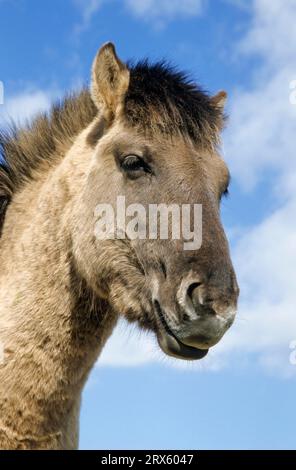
[
  {"x": 110, "y": 79},
  {"x": 219, "y": 100}
]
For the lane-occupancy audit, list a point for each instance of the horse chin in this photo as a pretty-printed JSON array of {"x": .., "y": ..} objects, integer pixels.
[{"x": 172, "y": 346}]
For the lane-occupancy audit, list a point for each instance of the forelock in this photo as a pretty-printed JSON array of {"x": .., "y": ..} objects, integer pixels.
[{"x": 161, "y": 98}]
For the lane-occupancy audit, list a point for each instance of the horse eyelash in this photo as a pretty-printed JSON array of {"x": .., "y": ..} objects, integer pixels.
[{"x": 146, "y": 168}]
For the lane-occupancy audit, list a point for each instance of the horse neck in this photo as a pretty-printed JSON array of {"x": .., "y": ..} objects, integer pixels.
[{"x": 52, "y": 327}]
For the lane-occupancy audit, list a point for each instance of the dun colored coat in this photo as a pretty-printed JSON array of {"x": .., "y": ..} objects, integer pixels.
[{"x": 149, "y": 134}]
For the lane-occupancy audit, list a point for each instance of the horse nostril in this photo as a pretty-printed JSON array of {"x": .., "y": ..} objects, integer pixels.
[
  {"x": 194, "y": 294},
  {"x": 198, "y": 297}
]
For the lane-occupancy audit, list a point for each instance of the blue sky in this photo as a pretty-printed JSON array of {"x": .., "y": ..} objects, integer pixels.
[{"x": 243, "y": 394}]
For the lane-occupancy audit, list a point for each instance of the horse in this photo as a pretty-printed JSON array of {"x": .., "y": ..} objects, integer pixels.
[{"x": 143, "y": 132}]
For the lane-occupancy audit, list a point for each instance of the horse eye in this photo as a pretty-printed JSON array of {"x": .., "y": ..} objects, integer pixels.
[{"x": 134, "y": 163}]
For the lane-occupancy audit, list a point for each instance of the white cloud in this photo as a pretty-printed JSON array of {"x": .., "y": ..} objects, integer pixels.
[
  {"x": 164, "y": 10},
  {"x": 265, "y": 260},
  {"x": 160, "y": 11},
  {"x": 88, "y": 9},
  {"x": 261, "y": 134},
  {"x": 261, "y": 131},
  {"x": 261, "y": 140},
  {"x": 21, "y": 107},
  {"x": 1, "y": 93},
  {"x": 273, "y": 32},
  {"x": 128, "y": 347}
]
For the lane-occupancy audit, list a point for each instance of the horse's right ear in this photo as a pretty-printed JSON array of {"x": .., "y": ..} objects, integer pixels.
[
  {"x": 219, "y": 100},
  {"x": 110, "y": 80}
]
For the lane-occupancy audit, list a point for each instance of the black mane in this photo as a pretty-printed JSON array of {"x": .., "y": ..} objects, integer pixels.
[{"x": 160, "y": 92}]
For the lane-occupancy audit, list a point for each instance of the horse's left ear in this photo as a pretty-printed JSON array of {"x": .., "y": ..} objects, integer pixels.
[
  {"x": 110, "y": 79},
  {"x": 219, "y": 100}
]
